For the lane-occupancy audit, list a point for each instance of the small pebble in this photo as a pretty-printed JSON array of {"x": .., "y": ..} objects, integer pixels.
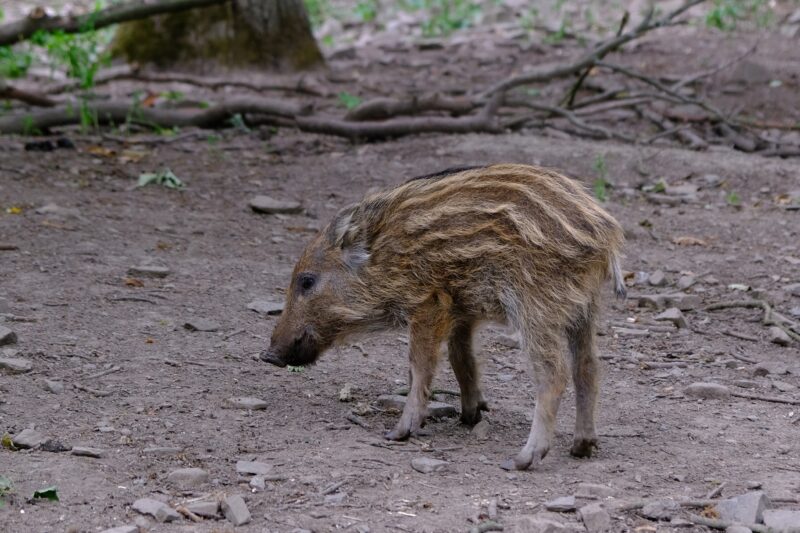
[
  {"x": 188, "y": 478},
  {"x": 270, "y": 206},
  {"x": 15, "y": 365},
  {"x": 254, "y": 404},
  {"x": 657, "y": 279},
  {"x": 235, "y": 510},
  {"x": 85, "y": 451},
  {"x": 149, "y": 271},
  {"x": 7, "y": 336},
  {"x": 427, "y": 465}
]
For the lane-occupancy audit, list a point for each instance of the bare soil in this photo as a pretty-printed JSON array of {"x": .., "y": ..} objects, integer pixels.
[{"x": 69, "y": 293}]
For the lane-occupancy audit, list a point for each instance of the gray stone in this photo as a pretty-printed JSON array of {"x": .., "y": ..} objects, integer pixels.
[
  {"x": 85, "y": 451},
  {"x": 657, "y": 279},
  {"x": 200, "y": 324},
  {"x": 258, "y": 483},
  {"x": 28, "y": 438},
  {"x": 783, "y": 386},
  {"x": 441, "y": 410},
  {"x": 684, "y": 302},
  {"x": 15, "y": 365},
  {"x": 158, "y": 510},
  {"x": 782, "y": 520},
  {"x": 537, "y": 524},
  {"x": 334, "y": 499},
  {"x": 594, "y": 490},
  {"x": 266, "y": 307},
  {"x": 684, "y": 282},
  {"x": 7, "y": 336},
  {"x": 794, "y": 289},
  {"x": 56, "y": 387},
  {"x": 269, "y": 205},
  {"x": 795, "y": 311},
  {"x": 427, "y": 465},
  {"x": 595, "y": 518},
  {"x": 674, "y": 315},
  {"x": 747, "y": 508},
  {"x": 770, "y": 367},
  {"x": 346, "y": 393},
  {"x": 207, "y": 509},
  {"x": 187, "y": 478},
  {"x": 4, "y": 306},
  {"x": 235, "y": 510},
  {"x": 252, "y": 467},
  {"x": 737, "y": 529},
  {"x": 149, "y": 271},
  {"x": 58, "y": 211},
  {"x": 779, "y": 337},
  {"x": 435, "y": 409},
  {"x": 162, "y": 450},
  {"x": 246, "y": 402},
  {"x": 509, "y": 341},
  {"x": 481, "y": 430},
  {"x": 565, "y": 504},
  {"x": 707, "y": 391},
  {"x": 661, "y": 509},
  {"x": 395, "y": 402},
  {"x": 750, "y": 72},
  {"x": 122, "y": 529},
  {"x": 794, "y": 18}
]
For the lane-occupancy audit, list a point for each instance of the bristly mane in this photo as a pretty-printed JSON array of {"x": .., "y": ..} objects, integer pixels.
[{"x": 446, "y": 172}]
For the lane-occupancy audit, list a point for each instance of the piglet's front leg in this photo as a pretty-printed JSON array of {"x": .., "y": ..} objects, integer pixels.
[{"x": 429, "y": 326}]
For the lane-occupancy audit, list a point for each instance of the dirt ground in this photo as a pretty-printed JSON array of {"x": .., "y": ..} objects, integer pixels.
[{"x": 147, "y": 381}]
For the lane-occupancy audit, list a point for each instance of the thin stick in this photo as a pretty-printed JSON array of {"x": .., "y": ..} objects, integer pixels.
[
  {"x": 740, "y": 336},
  {"x": 773, "y": 399},
  {"x": 716, "y": 491}
]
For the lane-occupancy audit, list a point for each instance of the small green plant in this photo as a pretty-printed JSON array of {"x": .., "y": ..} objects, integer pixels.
[
  {"x": 600, "y": 182},
  {"x": 173, "y": 96},
  {"x": 238, "y": 123},
  {"x": 6, "y": 488},
  {"x": 726, "y": 14},
  {"x": 296, "y": 369},
  {"x": 660, "y": 186},
  {"x": 49, "y": 493},
  {"x": 14, "y": 63},
  {"x": 317, "y": 11},
  {"x": 164, "y": 177},
  {"x": 366, "y": 10},
  {"x": 732, "y": 198},
  {"x": 446, "y": 16},
  {"x": 349, "y": 100}
]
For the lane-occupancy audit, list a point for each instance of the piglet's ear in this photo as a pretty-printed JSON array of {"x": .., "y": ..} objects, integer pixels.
[{"x": 346, "y": 234}]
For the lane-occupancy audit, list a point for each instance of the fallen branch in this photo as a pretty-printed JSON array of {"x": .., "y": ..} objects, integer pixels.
[
  {"x": 119, "y": 112},
  {"x": 597, "y": 131},
  {"x": 770, "y": 318},
  {"x": 772, "y": 399},
  {"x": 687, "y": 135},
  {"x": 741, "y": 336},
  {"x": 20, "y": 30},
  {"x": 384, "y": 108},
  {"x": 7, "y": 92},
  {"x": 551, "y": 72}
]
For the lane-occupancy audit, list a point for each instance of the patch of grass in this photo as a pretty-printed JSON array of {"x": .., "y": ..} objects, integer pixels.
[
  {"x": 165, "y": 177},
  {"x": 366, "y": 10},
  {"x": 349, "y": 100},
  {"x": 726, "y": 14},
  {"x": 733, "y": 199},
  {"x": 317, "y": 11},
  {"x": 6, "y": 488},
  {"x": 600, "y": 185}
]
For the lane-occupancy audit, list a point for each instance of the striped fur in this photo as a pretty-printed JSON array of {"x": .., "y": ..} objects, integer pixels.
[{"x": 440, "y": 254}]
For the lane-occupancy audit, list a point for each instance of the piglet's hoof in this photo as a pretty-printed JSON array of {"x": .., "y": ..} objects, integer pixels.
[{"x": 397, "y": 434}]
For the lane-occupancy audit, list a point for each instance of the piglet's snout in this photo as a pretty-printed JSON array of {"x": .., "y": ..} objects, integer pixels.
[{"x": 271, "y": 357}]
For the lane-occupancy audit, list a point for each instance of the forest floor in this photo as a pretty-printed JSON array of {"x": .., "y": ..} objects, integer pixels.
[{"x": 113, "y": 368}]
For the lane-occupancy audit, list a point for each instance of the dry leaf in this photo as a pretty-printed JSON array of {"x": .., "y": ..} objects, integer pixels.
[
  {"x": 150, "y": 100},
  {"x": 133, "y": 282},
  {"x": 101, "y": 151},
  {"x": 148, "y": 340},
  {"x": 161, "y": 245},
  {"x": 131, "y": 156},
  {"x": 710, "y": 512},
  {"x": 688, "y": 240}
]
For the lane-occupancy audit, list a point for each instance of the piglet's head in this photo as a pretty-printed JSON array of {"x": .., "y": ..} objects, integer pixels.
[{"x": 322, "y": 295}]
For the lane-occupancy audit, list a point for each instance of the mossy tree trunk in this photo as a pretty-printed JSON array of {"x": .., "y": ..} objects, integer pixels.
[{"x": 266, "y": 34}]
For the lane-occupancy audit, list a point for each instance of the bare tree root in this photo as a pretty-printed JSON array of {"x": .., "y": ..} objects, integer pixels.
[
  {"x": 7, "y": 92},
  {"x": 772, "y": 399},
  {"x": 384, "y": 108},
  {"x": 770, "y": 318},
  {"x": 118, "y": 113},
  {"x": 551, "y": 72},
  {"x": 19, "y": 30}
]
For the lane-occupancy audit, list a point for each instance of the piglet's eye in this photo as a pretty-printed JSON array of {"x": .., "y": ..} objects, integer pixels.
[{"x": 307, "y": 281}]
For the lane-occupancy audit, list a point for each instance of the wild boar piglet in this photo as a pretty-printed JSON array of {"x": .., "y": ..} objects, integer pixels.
[{"x": 440, "y": 254}]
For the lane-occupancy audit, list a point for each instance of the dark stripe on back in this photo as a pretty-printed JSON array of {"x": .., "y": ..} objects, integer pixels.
[{"x": 444, "y": 173}]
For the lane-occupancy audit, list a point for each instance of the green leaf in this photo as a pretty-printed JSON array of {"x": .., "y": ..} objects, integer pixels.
[
  {"x": 49, "y": 493},
  {"x": 165, "y": 177},
  {"x": 349, "y": 100},
  {"x": 6, "y": 485},
  {"x": 7, "y": 443}
]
